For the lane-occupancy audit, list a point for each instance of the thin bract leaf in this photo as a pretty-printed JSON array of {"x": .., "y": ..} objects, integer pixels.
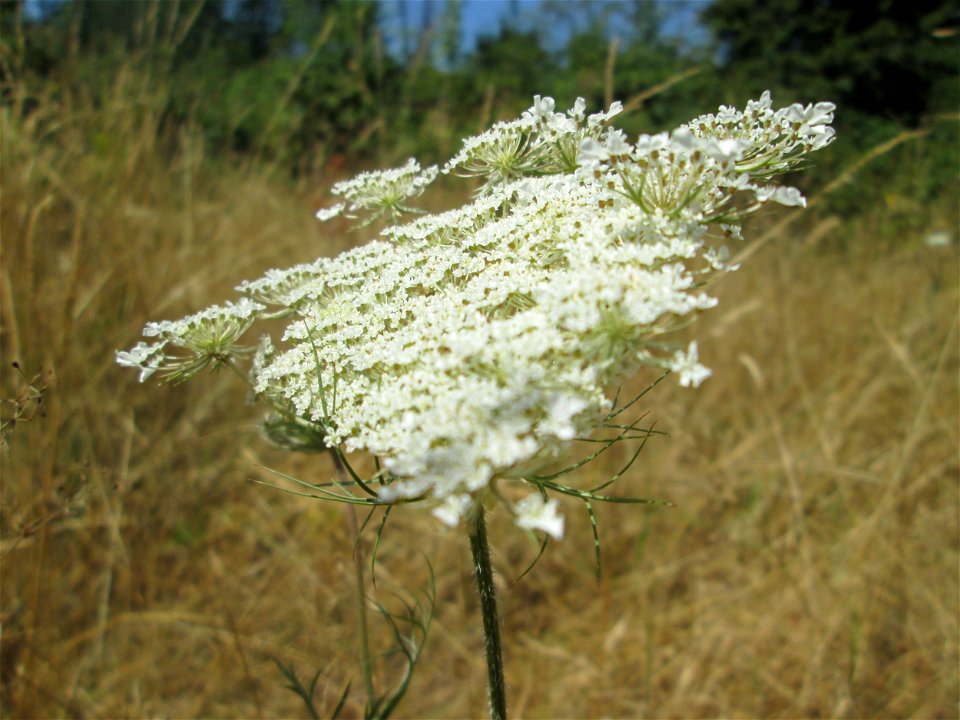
[
  {"x": 596, "y": 536},
  {"x": 376, "y": 546},
  {"x": 543, "y": 547},
  {"x": 341, "y": 703},
  {"x": 294, "y": 684}
]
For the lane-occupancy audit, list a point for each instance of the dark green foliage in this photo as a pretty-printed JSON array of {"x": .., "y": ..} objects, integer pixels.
[
  {"x": 515, "y": 59},
  {"x": 891, "y": 58},
  {"x": 888, "y": 65}
]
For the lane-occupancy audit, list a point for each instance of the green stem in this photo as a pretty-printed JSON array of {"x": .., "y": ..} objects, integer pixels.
[{"x": 488, "y": 608}]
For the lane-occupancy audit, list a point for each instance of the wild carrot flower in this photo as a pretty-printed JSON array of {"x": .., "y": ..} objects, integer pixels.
[{"x": 465, "y": 349}]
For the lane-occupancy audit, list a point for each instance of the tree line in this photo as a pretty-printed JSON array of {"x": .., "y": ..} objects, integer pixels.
[{"x": 306, "y": 83}]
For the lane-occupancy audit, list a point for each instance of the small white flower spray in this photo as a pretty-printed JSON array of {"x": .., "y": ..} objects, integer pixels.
[{"x": 464, "y": 350}]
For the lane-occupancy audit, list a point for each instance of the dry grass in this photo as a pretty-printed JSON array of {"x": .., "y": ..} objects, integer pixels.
[{"x": 809, "y": 567}]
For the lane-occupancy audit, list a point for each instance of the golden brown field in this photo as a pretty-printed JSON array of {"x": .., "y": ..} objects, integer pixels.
[{"x": 807, "y": 568}]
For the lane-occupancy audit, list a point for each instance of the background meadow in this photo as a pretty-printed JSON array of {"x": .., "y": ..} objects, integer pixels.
[{"x": 154, "y": 154}]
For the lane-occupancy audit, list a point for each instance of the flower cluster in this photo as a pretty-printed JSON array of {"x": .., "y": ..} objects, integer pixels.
[
  {"x": 206, "y": 338},
  {"x": 465, "y": 349},
  {"x": 773, "y": 140},
  {"x": 380, "y": 192},
  {"x": 540, "y": 141}
]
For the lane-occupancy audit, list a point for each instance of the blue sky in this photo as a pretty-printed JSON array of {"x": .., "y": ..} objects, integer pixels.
[{"x": 486, "y": 17}]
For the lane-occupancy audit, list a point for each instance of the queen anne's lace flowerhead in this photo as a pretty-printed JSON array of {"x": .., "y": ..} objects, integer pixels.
[{"x": 465, "y": 349}]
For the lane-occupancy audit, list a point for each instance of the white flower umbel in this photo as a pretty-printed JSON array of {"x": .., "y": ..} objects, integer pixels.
[
  {"x": 465, "y": 349},
  {"x": 197, "y": 341},
  {"x": 380, "y": 192},
  {"x": 540, "y": 142}
]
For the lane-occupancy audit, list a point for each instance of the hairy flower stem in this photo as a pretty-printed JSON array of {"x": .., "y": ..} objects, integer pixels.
[{"x": 488, "y": 608}]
